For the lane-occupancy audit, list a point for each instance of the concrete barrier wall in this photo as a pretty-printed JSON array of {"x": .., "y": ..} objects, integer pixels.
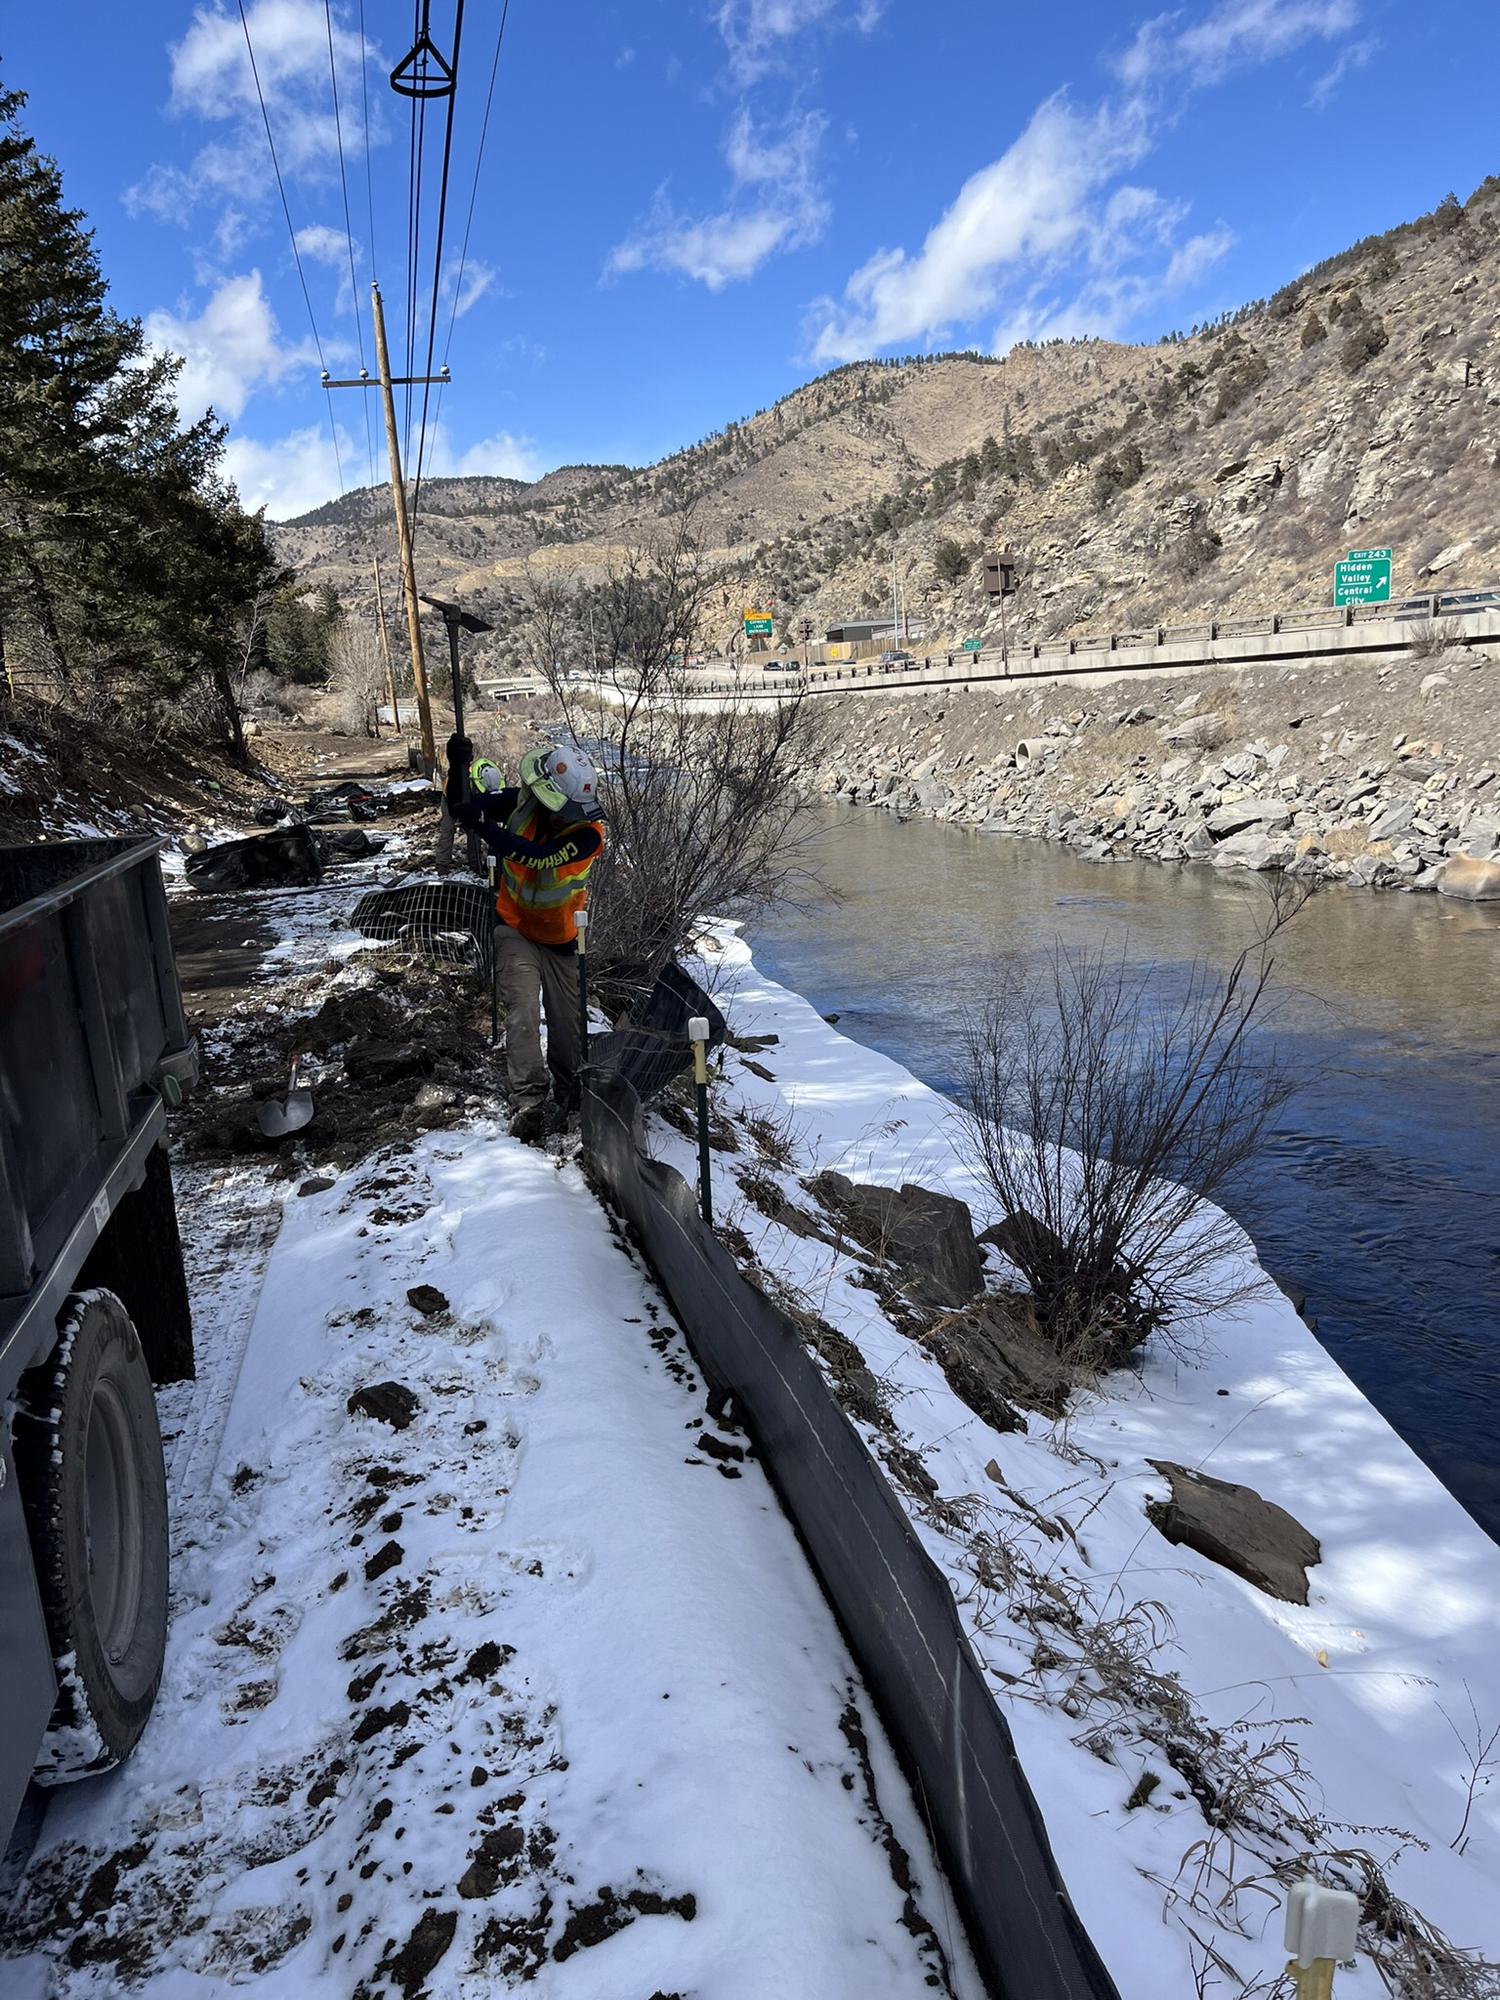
[{"x": 1231, "y": 642}]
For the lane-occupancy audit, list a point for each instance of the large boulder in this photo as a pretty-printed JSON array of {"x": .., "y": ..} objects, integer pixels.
[
  {"x": 1203, "y": 732},
  {"x": 1464, "y": 876},
  {"x": 1393, "y": 820},
  {"x": 928, "y": 1235},
  {"x": 1232, "y": 1525},
  {"x": 1254, "y": 850},
  {"x": 1264, "y": 814}
]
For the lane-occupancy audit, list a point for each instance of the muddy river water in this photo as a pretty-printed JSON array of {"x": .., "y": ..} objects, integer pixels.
[{"x": 1379, "y": 1195}]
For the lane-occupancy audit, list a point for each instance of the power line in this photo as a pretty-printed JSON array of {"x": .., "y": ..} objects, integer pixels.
[
  {"x": 338, "y": 130},
  {"x": 420, "y": 22},
  {"x": 463, "y": 255},
  {"x": 437, "y": 262},
  {"x": 364, "y": 90},
  {"x": 312, "y": 318}
]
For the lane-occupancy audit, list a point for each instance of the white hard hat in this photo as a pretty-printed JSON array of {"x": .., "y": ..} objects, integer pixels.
[{"x": 562, "y": 777}]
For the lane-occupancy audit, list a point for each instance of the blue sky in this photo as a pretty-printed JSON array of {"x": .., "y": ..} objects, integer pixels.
[{"x": 687, "y": 209}]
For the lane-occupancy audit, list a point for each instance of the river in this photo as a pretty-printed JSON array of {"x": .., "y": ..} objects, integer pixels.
[{"x": 1379, "y": 1195}]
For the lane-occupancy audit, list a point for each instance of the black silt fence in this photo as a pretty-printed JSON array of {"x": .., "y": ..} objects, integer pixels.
[
  {"x": 895, "y": 1605},
  {"x": 651, "y": 1049}
]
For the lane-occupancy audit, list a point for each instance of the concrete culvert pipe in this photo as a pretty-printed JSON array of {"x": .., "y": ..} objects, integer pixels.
[{"x": 1030, "y": 750}]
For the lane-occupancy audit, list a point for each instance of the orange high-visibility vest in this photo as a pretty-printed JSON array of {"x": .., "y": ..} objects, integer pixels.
[{"x": 543, "y": 903}]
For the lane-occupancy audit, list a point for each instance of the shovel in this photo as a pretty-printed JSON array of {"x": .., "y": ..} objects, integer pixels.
[{"x": 279, "y": 1117}]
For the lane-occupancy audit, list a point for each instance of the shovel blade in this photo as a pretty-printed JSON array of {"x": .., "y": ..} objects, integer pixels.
[{"x": 278, "y": 1119}]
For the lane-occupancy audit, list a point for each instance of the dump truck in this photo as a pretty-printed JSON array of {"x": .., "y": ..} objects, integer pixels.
[{"x": 94, "y": 1309}]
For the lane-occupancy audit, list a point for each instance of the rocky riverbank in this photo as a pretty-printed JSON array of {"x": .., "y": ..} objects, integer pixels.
[{"x": 1383, "y": 776}]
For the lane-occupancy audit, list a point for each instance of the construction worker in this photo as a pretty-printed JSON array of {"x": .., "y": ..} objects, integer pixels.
[
  {"x": 482, "y": 780},
  {"x": 546, "y": 833}
]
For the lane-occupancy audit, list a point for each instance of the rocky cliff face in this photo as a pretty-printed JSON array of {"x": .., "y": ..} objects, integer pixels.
[
  {"x": 1219, "y": 472},
  {"x": 1386, "y": 777}
]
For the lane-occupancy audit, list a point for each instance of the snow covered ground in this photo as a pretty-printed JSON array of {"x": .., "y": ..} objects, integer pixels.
[
  {"x": 493, "y": 1662},
  {"x": 1359, "y": 1723}
]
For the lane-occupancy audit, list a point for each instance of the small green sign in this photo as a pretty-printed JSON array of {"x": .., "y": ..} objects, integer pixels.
[
  {"x": 1363, "y": 577},
  {"x": 973, "y": 645},
  {"x": 759, "y": 628}
]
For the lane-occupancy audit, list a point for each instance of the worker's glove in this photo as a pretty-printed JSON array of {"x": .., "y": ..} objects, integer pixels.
[{"x": 458, "y": 751}]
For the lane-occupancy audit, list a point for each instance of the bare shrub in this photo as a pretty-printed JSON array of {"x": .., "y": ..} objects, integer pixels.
[
  {"x": 1191, "y": 550},
  {"x": 357, "y": 676},
  {"x": 776, "y": 1139},
  {"x": 1106, "y": 1119},
  {"x": 1431, "y": 637},
  {"x": 262, "y": 690},
  {"x": 706, "y": 815}
]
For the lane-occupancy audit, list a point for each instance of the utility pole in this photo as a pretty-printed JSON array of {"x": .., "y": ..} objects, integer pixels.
[
  {"x": 385, "y": 383},
  {"x": 895, "y": 606},
  {"x": 385, "y": 647}
]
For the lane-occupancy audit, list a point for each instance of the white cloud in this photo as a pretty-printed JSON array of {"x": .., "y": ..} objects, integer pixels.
[
  {"x": 1029, "y": 206},
  {"x": 1042, "y": 216},
  {"x": 1354, "y": 57},
  {"x": 503, "y": 456},
  {"x": 1105, "y": 306},
  {"x": 322, "y": 244},
  {"x": 785, "y": 209},
  {"x": 1233, "y": 33},
  {"x": 290, "y": 476},
  {"x": 478, "y": 278},
  {"x": 1195, "y": 258},
  {"x": 212, "y": 79},
  {"x": 293, "y": 474},
  {"x": 231, "y": 349},
  {"x": 756, "y": 32}
]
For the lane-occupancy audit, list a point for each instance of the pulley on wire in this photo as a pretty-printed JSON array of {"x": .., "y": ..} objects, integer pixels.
[{"x": 424, "y": 71}]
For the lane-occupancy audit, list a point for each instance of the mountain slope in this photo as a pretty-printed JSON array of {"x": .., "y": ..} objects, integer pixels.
[{"x": 1226, "y": 470}]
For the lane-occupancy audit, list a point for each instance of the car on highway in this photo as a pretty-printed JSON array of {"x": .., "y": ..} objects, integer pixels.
[
  {"x": 897, "y": 659},
  {"x": 1448, "y": 604}
]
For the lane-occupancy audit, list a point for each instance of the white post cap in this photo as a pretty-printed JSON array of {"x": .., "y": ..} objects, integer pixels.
[
  {"x": 1321, "y": 1923},
  {"x": 582, "y": 920},
  {"x": 697, "y": 1029}
]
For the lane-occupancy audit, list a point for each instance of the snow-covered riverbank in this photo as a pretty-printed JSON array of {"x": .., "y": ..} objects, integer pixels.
[
  {"x": 1151, "y": 1692},
  {"x": 495, "y": 1662}
]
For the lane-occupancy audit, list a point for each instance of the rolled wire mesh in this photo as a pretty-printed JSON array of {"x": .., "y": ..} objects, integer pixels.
[{"x": 446, "y": 920}]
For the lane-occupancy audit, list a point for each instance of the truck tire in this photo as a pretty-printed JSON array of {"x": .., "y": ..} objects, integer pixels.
[
  {"x": 139, "y": 1259},
  {"x": 89, "y": 1460}
]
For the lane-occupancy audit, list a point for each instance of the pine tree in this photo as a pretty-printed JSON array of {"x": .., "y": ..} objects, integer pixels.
[{"x": 124, "y": 557}]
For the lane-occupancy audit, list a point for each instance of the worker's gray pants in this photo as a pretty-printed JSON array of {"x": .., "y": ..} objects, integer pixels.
[
  {"x": 447, "y": 828},
  {"x": 534, "y": 978}
]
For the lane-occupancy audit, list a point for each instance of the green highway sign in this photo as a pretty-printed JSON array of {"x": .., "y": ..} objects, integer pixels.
[
  {"x": 759, "y": 624},
  {"x": 973, "y": 645},
  {"x": 1363, "y": 577}
]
